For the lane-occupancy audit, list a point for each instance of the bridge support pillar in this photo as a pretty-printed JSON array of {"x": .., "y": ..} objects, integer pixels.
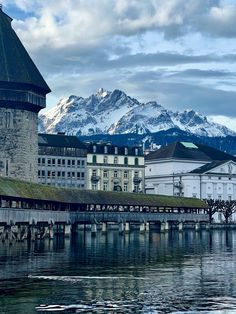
[
  {"x": 197, "y": 226},
  {"x": 142, "y": 227},
  {"x": 94, "y": 229},
  {"x": 164, "y": 226},
  {"x": 51, "y": 232},
  {"x": 147, "y": 226},
  {"x": 181, "y": 226},
  {"x": 127, "y": 227},
  {"x": 104, "y": 227},
  {"x": 67, "y": 230},
  {"x": 121, "y": 227},
  {"x": 32, "y": 233}
]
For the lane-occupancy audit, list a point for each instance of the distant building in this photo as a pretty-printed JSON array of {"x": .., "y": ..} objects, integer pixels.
[
  {"x": 62, "y": 161},
  {"x": 191, "y": 170},
  {"x": 115, "y": 168},
  {"x": 22, "y": 95}
]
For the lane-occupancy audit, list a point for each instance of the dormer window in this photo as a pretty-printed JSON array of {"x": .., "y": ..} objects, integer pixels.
[
  {"x": 116, "y": 150},
  {"x": 136, "y": 151},
  {"x": 94, "y": 148},
  {"x": 126, "y": 151},
  {"x": 105, "y": 149}
]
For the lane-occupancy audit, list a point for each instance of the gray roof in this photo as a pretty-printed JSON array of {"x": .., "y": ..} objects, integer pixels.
[
  {"x": 16, "y": 66},
  {"x": 193, "y": 151},
  {"x": 60, "y": 140},
  {"x": 208, "y": 167}
]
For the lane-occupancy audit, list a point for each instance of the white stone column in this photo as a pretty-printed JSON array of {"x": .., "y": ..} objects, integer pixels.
[{"x": 147, "y": 226}]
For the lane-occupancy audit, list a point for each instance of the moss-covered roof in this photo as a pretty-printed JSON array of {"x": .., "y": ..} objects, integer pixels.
[{"x": 27, "y": 190}]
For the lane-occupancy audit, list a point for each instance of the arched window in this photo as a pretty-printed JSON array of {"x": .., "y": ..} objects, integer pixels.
[
  {"x": 105, "y": 160},
  {"x": 94, "y": 159},
  {"x": 126, "y": 160},
  {"x": 136, "y": 161}
]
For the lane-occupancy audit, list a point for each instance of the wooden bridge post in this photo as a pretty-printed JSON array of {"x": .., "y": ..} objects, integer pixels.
[
  {"x": 181, "y": 226},
  {"x": 121, "y": 227},
  {"x": 197, "y": 226},
  {"x": 94, "y": 229},
  {"x": 142, "y": 227},
  {"x": 127, "y": 227},
  {"x": 104, "y": 227},
  {"x": 147, "y": 226},
  {"x": 67, "y": 230},
  {"x": 51, "y": 232}
]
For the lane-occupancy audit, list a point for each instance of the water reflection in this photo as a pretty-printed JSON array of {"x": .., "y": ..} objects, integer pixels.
[{"x": 173, "y": 272}]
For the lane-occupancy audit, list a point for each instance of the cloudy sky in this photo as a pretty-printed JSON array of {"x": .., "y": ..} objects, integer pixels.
[{"x": 180, "y": 53}]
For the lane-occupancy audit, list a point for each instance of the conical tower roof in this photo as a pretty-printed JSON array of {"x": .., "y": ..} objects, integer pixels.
[{"x": 16, "y": 66}]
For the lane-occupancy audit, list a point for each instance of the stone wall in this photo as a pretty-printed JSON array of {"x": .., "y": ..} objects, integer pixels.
[{"x": 19, "y": 144}]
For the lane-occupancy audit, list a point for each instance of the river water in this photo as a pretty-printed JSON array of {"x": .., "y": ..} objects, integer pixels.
[{"x": 189, "y": 272}]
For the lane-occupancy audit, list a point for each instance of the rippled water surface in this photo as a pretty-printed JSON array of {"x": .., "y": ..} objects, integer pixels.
[{"x": 189, "y": 272}]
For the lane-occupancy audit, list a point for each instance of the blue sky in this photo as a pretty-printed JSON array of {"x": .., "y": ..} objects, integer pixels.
[{"x": 180, "y": 53}]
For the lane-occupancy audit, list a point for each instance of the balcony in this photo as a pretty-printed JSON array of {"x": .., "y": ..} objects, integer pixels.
[
  {"x": 95, "y": 178},
  {"x": 137, "y": 180}
]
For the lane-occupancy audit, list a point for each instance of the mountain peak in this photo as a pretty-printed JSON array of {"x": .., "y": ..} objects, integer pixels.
[
  {"x": 117, "y": 113},
  {"x": 102, "y": 92}
]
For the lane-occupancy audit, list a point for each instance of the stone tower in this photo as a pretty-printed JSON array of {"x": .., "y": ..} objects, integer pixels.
[{"x": 22, "y": 95}]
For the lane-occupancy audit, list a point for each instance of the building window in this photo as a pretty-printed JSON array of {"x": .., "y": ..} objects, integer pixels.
[
  {"x": 116, "y": 150},
  {"x": 125, "y": 174},
  {"x": 78, "y": 163},
  {"x": 94, "y": 159},
  {"x": 43, "y": 161},
  {"x": 68, "y": 162},
  {"x": 115, "y": 160},
  {"x": 105, "y": 186},
  {"x": 105, "y": 160},
  {"x": 126, "y": 161},
  {"x": 68, "y": 175},
  {"x": 219, "y": 197},
  {"x": 59, "y": 173},
  {"x": 136, "y": 161},
  {"x": 94, "y": 186},
  {"x": 43, "y": 173},
  {"x": 63, "y": 174},
  {"x": 105, "y": 149},
  {"x": 219, "y": 178},
  {"x": 59, "y": 162},
  {"x": 82, "y": 163},
  {"x": 94, "y": 148},
  {"x": 115, "y": 174},
  {"x": 73, "y": 162},
  {"x": 78, "y": 175},
  {"x": 49, "y": 174},
  {"x": 82, "y": 174},
  {"x": 136, "y": 174},
  {"x": 105, "y": 174},
  {"x": 53, "y": 161},
  {"x": 49, "y": 162},
  {"x": 230, "y": 198},
  {"x": 136, "y": 188},
  {"x": 63, "y": 162},
  {"x": 126, "y": 151},
  {"x": 209, "y": 196},
  {"x": 125, "y": 187},
  {"x": 136, "y": 151},
  {"x": 94, "y": 173},
  {"x": 39, "y": 161}
]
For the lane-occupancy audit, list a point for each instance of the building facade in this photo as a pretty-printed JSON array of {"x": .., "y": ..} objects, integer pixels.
[
  {"x": 191, "y": 170},
  {"x": 115, "y": 168},
  {"x": 22, "y": 95},
  {"x": 62, "y": 161}
]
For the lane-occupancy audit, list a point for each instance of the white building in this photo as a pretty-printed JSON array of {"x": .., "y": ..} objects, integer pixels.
[
  {"x": 191, "y": 170},
  {"x": 62, "y": 161},
  {"x": 115, "y": 168}
]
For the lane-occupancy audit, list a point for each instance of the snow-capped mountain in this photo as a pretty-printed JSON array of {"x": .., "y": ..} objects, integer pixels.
[{"x": 116, "y": 113}]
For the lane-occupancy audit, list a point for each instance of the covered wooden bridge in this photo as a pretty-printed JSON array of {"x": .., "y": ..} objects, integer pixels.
[{"x": 34, "y": 204}]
